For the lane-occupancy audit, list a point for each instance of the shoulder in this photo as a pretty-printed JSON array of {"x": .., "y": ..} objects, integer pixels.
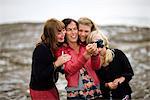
[
  {"x": 38, "y": 47},
  {"x": 117, "y": 51},
  {"x": 41, "y": 47},
  {"x": 59, "y": 51}
]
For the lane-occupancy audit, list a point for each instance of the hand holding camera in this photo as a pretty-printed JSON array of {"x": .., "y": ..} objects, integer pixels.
[{"x": 91, "y": 48}]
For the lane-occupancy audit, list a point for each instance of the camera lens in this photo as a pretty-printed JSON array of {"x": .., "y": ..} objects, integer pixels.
[{"x": 100, "y": 43}]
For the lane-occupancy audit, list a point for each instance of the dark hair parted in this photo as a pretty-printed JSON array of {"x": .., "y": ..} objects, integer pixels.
[
  {"x": 51, "y": 28},
  {"x": 67, "y": 21}
]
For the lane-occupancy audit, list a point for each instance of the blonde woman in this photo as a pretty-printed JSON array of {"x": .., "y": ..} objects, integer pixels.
[
  {"x": 115, "y": 72},
  {"x": 86, "y": 26}
]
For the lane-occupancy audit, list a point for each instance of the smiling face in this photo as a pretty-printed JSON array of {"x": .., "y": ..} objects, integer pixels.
[
  {"x": 60, "y": 35},
  {"x": 84, "y": 30},
  {"x": 72, "y": 33}
]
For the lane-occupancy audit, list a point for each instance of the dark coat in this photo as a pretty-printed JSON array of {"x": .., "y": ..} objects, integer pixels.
[
  {"x": 42, "y": 72},
  {"x": 120, "y": 66}
]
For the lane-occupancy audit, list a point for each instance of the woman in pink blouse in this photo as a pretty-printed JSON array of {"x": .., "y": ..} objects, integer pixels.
[{"x": 82, "y": 81}]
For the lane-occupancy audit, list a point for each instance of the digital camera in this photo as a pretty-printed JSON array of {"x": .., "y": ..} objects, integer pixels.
[{"x": 100, "y": 43}]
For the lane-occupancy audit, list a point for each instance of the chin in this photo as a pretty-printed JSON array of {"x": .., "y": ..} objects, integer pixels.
[
  {"x": 82, "y": 40},
  {"x": 61, "y": 41}
]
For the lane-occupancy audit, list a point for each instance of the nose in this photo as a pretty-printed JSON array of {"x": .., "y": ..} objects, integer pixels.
[
  {"x": 74, "y": 31},
  {"x": 82, "y": 33},
  {"x": 63, "y": 34}
]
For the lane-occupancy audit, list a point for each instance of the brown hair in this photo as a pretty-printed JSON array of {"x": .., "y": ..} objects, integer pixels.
[
  {"x": 67, "y": 21},
  {"x": 51, "y": 28}
]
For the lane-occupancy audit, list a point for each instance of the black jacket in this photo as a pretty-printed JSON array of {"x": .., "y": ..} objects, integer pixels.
[
  {"x": 120, "y": 66},
  {"x": 42, "y": 72}
]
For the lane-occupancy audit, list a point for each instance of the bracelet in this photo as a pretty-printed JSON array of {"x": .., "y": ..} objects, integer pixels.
[
  {"x": 106, "y": 85},
  {"x": 54, "y": 65}
]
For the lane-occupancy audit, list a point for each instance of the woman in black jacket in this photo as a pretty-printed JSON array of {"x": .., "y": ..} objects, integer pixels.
[
  {"x": 115, "y": 72},
  {"x": 44, "y": 64}
]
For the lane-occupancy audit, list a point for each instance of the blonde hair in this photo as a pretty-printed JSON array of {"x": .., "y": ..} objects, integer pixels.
[
  {"x": 88, "y": 22},
  {"x": 109, "y": 53},
  {"x": 103, "y": 37}
]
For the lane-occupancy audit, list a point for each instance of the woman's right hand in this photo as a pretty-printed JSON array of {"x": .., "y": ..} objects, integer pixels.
[
  {"x": 91, "y": 48},
  {"x": 112, "y": 85},
  {"x": 62, "y": 59}
]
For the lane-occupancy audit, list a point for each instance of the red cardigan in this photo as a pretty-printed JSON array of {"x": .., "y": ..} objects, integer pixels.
[{"x": 73, "y": 66}]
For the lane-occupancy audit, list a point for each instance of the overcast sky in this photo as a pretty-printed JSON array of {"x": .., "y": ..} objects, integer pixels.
[{"x": 98, "y": 10}]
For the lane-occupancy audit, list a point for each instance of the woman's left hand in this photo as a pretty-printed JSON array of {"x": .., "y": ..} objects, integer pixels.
[{"x": 119, "y": 80}]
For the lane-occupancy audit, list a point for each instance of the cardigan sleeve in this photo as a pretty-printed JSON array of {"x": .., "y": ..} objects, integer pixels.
[
  {"x": 127, "y": 70},
  {"x": 42, "y": 63},
  {"x": 74, "y": 65}
]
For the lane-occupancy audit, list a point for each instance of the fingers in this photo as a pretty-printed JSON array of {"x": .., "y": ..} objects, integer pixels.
[
  {"x": 112, "y": 85},
  {"x": 91, "y": 48},
  {"x": 116, "y": 81},
  {"x": 66, "y": 58},
  {"x": 62, "y": 59},
  {"x": 119, "y": 80}
]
